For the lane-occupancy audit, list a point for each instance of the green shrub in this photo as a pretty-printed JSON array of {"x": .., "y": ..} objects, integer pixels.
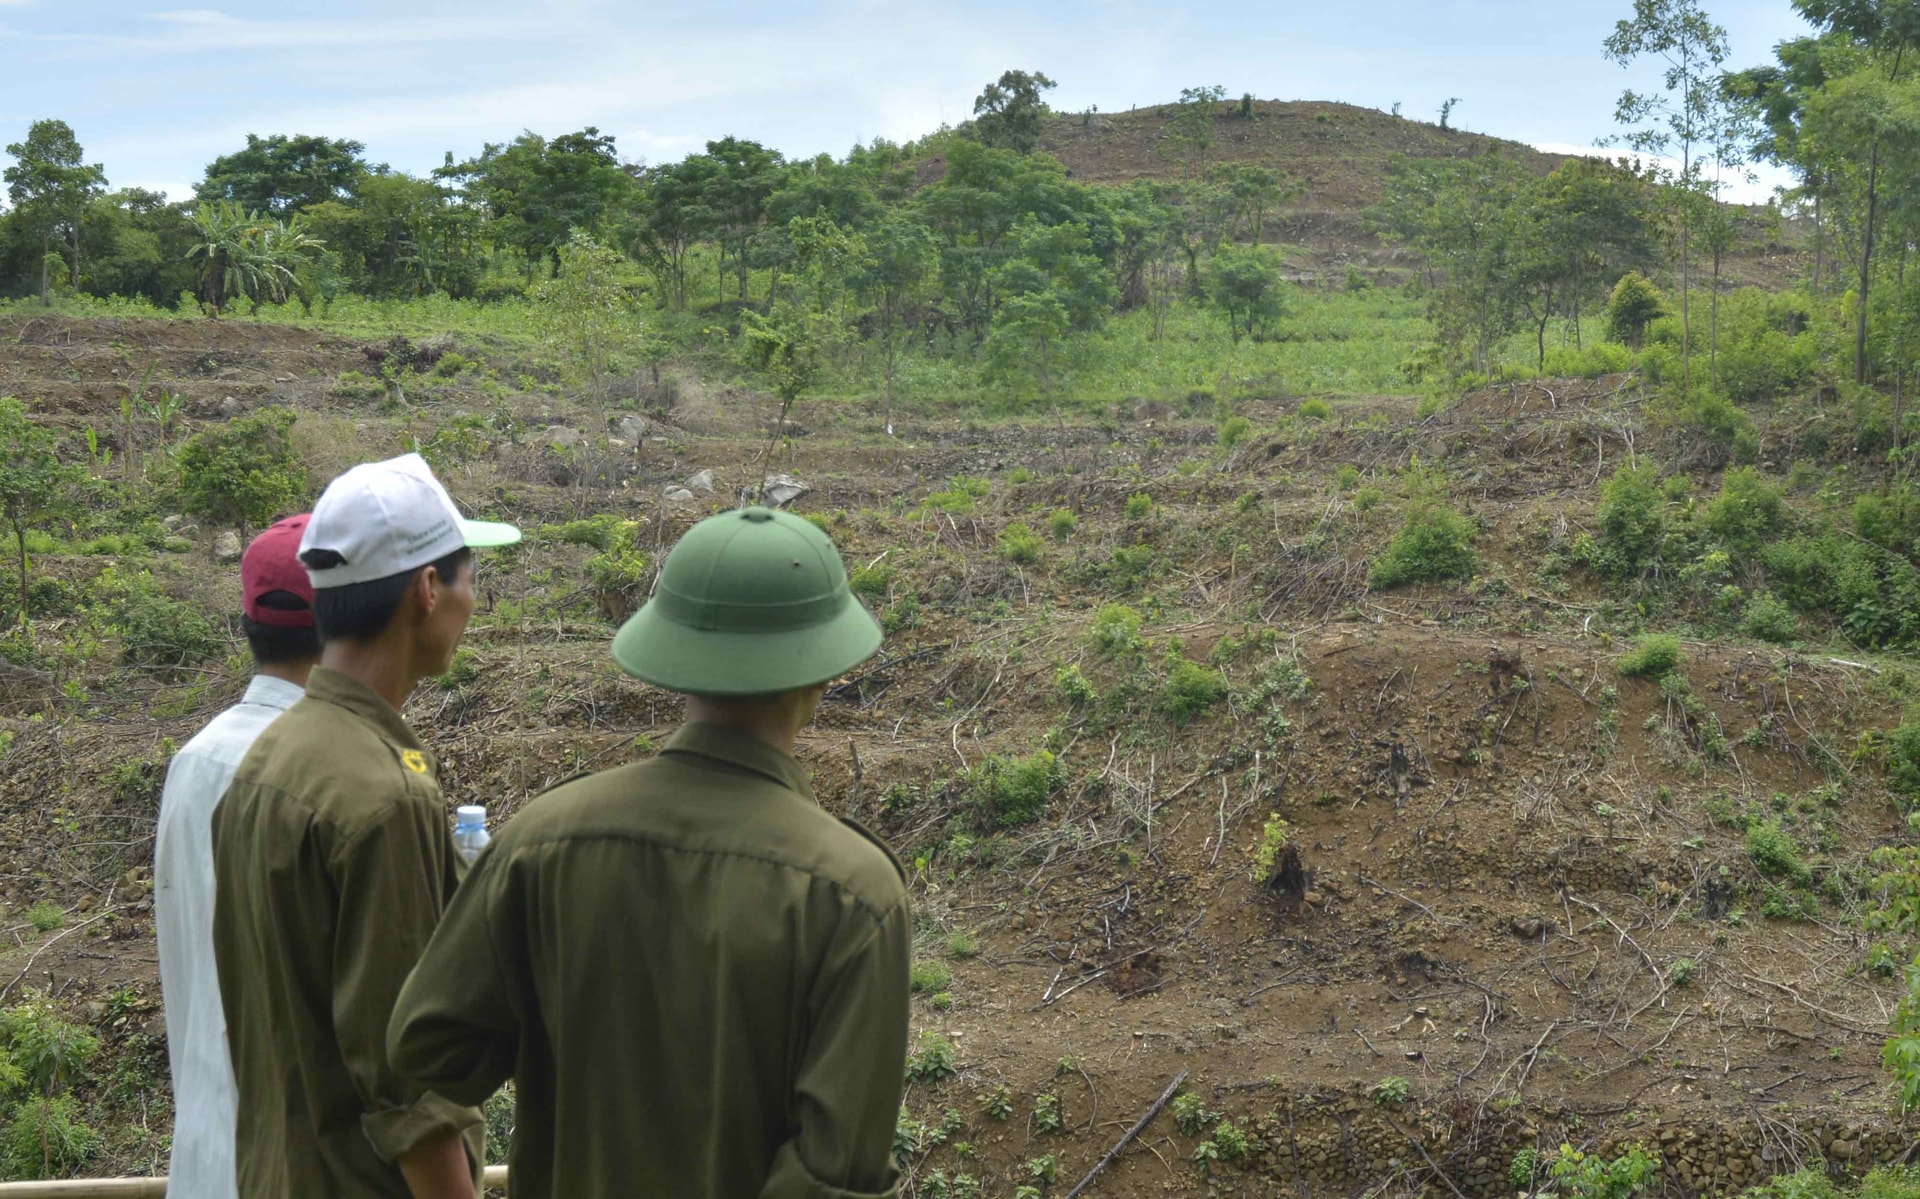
[
  {"x": 1347, "y": 478},
  {"x": 1367, "y": 499},
  {"x": 932, "y": 1059},
  {"x": 1590, "y": 1176},
  {"x": 1190, "y": 1114},
  {"x": 963, "y": 944},
  {"x": 450, "y": 364},
  {"x": 1006, "y": 791},
  {"x": 1903, "y": 758},
  {"x": 1074, "y": 686},
  {"x": 1634, "y": 304},
  {"x": 1747, "y": 513},
  {"x": 1588, "y": 362},
  {"x": 926, "y": 978},
  {"x": 960, "y": 495},
  {"x": 1435, "y": 544},
  {"x": 1139, "y": 506},
  {"x": 1019, "y": 475},
  {"x": 1019, "y": 544},
  {"x": 1115, "y": 630},
  {"x": 1315, "y": 409},
  {"x": 47, "y": 1139},
  {"x": 45, "y": 916},
  {"x": 872, "y": 581},
  {"x": 1191, "y": 689},
  {"x": 500, "y": 1113},
  {"x": 1391, "y": 1091},
  {"x": 1775, "y": 851},
  {"x": 1654, "y": 656},
  {"x": 602, "y": 532},
  {"x": 1127, "y": 567},
  {"x": 1767, "y": 618},
  {"x": 1234, "y": 431},
  {"x": 1716, "y": 420},
  {"x": 1888, "y": 521},
  {"x": 1632, "y": 523},
  {"x": 1062, "y": 524},
  {"x": 1046, "y": 1114},
  {"x": 618, "y": 578},
  {"x": 244, "y": 473},
  {"x": 164, "y": 635}
]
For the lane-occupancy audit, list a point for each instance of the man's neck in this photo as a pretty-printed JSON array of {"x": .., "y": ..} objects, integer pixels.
[
  {"x": 378, "y": 664},
  {"x": 288, "y": 672},
  {"x": 775, "y": 728}
]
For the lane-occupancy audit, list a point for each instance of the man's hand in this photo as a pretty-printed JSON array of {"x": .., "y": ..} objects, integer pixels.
[{"x": 438, "y": 1169}]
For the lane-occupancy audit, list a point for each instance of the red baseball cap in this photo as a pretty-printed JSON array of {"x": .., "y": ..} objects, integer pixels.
[{"x": 272, "y": 563}]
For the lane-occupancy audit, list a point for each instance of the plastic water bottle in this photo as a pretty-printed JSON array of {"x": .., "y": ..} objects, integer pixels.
[{"x": 470, "y": 830}]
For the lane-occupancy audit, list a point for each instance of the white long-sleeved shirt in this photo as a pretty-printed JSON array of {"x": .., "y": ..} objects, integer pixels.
[{"x": 203, "y": 1089}]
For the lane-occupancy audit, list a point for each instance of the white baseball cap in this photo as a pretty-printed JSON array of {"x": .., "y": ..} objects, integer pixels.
[{"x": 387, "y": 518}]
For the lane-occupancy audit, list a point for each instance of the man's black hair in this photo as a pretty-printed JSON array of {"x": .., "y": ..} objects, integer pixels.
[
  {"x": 273, "y": 644},
  {"x": 360, "y": 611}
]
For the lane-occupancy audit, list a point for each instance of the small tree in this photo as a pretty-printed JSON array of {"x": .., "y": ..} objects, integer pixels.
[
  {"x": 786, "y": 347},
  {"x": 1188, "y": 135},
  {"x": 33, "y": 481},
  {"x": 1244, "y": 285},
  {"x": 1634, "y": 305},
  {"x": 586, "y": 313},
  {"x": 244, "y": 473}
]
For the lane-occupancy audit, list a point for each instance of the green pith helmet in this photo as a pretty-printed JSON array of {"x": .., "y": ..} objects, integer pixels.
[{"x": 748, "y": 603}]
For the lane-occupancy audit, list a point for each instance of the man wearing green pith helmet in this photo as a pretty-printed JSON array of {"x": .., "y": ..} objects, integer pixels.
[{"x": 695, "y": 976}]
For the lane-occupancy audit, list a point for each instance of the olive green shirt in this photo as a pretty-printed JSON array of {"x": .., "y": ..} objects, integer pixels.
[
  {"x": 696, "y": 978},
  {"x": 332, "y": 863}
]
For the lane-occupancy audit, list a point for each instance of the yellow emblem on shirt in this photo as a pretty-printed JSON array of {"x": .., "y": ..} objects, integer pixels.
[{"x": 414, "y": 760}]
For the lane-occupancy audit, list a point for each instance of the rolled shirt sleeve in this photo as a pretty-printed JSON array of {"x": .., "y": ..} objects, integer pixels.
[{"x": 392, "y": 875}]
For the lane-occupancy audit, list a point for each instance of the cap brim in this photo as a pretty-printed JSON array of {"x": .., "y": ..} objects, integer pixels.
[
  {"x": 700, "y": 662},
  {"x": 480, "y": 534}
]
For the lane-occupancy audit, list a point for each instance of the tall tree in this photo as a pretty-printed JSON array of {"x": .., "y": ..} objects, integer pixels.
[
  {"x": 1188, "y": 134},
  {"x": 1875, "y": 107},
  {"x": 537, "y": 192},
  {"x": 897, "y": 276},
  {"x": 1007, "y": 114},
  {"x": 284, "y": 174},
  {"x": 51, "y": 186},
  {"x": 1682, "y": 114},
  {"x": 744, "y": 175}
]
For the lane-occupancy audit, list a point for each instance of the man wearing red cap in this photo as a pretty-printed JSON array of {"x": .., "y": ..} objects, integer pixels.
[{"x": 277, "y": 616}]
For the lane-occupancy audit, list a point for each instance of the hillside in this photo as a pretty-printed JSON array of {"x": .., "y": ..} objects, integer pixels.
[{"x": 1524, "y": 909}]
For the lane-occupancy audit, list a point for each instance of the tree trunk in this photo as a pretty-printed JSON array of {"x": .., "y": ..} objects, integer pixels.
[
  {"x": 1866, "y": 265},
  {"x": 1686, "y": 340},
  {"x": 1819, "y": 245},
  {"x": 1713, "y": 323},
  {"x": 46, "y": 249},
  {"x": 76, "y": 256},
  {"x": 20, "y": 542}
]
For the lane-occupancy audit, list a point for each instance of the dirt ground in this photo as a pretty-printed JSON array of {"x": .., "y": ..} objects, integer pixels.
[{"x": 1522, "y": 897}]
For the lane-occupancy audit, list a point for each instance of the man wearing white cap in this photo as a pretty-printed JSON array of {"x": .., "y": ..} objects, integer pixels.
[{"x": 333, "y": 861}]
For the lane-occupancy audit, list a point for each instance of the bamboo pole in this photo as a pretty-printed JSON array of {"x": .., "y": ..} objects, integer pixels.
[{"x": 138, "y": 1188}]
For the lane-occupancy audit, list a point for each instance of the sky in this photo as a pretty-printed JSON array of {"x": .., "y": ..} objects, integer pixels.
[{"x": 156, "y": 91}]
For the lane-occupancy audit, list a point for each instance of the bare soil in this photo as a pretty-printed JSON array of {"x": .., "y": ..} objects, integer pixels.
[{"x": 1505, "y": 850}]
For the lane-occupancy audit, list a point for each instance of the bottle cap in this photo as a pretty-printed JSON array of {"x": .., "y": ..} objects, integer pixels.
[{"x": 471, "y": 813}]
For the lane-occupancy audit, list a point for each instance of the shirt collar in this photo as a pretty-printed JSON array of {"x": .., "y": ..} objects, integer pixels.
[
  {"x": 332, "y": 687},
  {"x": 269, "y": 692},
  {"x": 742, "y": 750}
]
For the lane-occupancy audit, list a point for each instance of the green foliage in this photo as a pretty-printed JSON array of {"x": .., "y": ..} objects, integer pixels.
[
  {"x": 1767, "y": 618},
  {"x": 932, "y": 1059},
  {"x": 1062, "y": 523},
  {"x": 1074, "y": 686},
  {"x": 1232, "y": 1140},
  {"x": 1367, "y": 499},
  {"x": 1391, "y": 1091},
  {"x": 1718, "y": 424},
  {"x": 1234, "y": 430},
  {"x": 1747, "y": 513},
  {"x": 500, "y": 1114},
  {"x": 1347, "y": 478},
  {"x": 1190, "y": 689},
  {"x": 1243, "y": 282},
  {"x": 1520, "y": 1170},
  {"x": 872, "y": 581},
  {"x": 47, "y": 1139},
  {"x": 925, "y": 978},
  {"x": 1775, "y": 851},
  {"x": 244, "y": 473},
  {"x": 1139, "y": 506},
  {"x": 1019, "y": 544},
  {"x": 161, "y": 634},
  {"x": 962, "y": 944},
  {"x": 1590, "y": 1176},
  {"x": 33, "y": 483},
  {"x": 1008, "y": 112},
  {"x": 1683, "y": 972},
  {"x": 1047, "y": 1116},
  {"x": 997, "y": 1104},
  {"x": 1115, "y": 630},
  {"x": 45, "y": 916},
  {"x": 960, "y": 495},
  {"x": 1006, "y": 791},
  {"x": 589, "y": 313},
  {"x": 618, "y": 577},
  {"x": 1274, "y": 836},
  {"x": 1634, "y": 305},
  {"x": 1654, "y": 656},
  {"x": 1043, "y": 1170},
  {"x": 1433, "y": 545},
  {"x": 1632, "y": 523},
  {"x": 1191, "y": 1114},
  {"x": 1315, "y": 409},
  {"x": 602, "y": 532}
]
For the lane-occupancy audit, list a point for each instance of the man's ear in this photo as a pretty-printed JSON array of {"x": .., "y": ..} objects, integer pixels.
[{"x": 423, "y": 591}]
